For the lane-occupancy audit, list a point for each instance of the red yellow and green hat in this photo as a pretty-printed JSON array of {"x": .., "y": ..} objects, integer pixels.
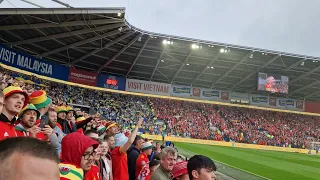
[
  {"x": 61, "y": 109},
  {"x": 80, "y": 119},
  {"x": 10, "y": 90},
  {"x": 29, "y": 107},
  {"x": 110, "y": 124},
  {"x": 40, "y": 99}
]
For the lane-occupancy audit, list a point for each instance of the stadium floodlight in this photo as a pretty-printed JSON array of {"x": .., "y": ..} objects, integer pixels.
[
  {"x": 195, "y": 46},
  {"x": 251, "y": 56},
  {"x": 187, "y": 64},
  {"x": 119, "y": 14},
  {"x": 165, "y": 42},
  {"x": 162, "y": 60},
  {"x": 222, "y": 50},
  {"x": 212, "y": 67}
]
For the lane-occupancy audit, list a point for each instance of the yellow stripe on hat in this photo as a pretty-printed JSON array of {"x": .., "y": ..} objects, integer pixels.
[{"x": 39, "y": 99}]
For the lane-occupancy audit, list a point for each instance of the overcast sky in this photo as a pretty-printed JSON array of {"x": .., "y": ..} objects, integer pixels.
[{"x": 284, "y": 25}]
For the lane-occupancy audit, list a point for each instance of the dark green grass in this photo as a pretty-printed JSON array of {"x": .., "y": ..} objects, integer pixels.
[{"x": 269, "y": 164}]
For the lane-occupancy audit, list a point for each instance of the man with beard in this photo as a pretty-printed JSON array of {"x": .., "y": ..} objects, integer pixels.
[
  {"x": 14, "y": 100},
  {"x": 52, "y": 116},
  {"x": 28, "y": 117},
  {"x": 67, "y": 126}
]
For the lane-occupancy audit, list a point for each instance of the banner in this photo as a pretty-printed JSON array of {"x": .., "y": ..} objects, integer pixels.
[
  {"x": 111, "y": 82},
  {"x": 196, "y": 92},
  {"x": 259, "y": 100},
  {"x": 148, "y": 87},
  {"x": 312, "y": 106},
  {"x": 286, "y": 102},
  {"x": 29, "y": 63},
  {"x": 299, "y": 104},
  {"x": 272, "y": 101},
  {"x": 83, "y": 77},
  {"x": 209, "y": 94},
  {"x": 181, "y": 91}
]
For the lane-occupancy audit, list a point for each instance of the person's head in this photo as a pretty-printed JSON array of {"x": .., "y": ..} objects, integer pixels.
[
  {"x": 70, "y": 113},
  {"x": 103, "y": 147},
  {"x": 61, "y": 112},
  {"x": 14, "y": 100},
  {"x": 92, "y": 134},
  {"x": 146, "y": 148},
  {"x": 138, "y": 142},
  {"x": 201, "y": 168},
  {"x": 110, "y": 140},
  {"x": 52, "y": 116},
  {"x": 112, "y": 128},
  {"x": 158, "y": 145},
  {"x": 168, "y": 158},
  {"x": 180, "y": 171},
  {"x": 28, "y": 116},
  {"x": 78, "y": 149},
  {"x": 40, "y": 100},
  {"x": 97, "y": 153},
  {"x": 1, "y": 101},
  {"x": 21, "y": 157},
  {"x": 120, "y": 139},
  {"x": 270, "y": 80},
  {"x": 154, "y": 164}
]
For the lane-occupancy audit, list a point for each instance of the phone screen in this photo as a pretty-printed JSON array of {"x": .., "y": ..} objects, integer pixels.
[{"x": 44, "y": 121}]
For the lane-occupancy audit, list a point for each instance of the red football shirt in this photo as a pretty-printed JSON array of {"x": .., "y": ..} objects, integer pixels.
[
  {"x": 39, "y": 135},
  {"x": 119, "y": 165},
  {"x": 92, "y": 174},
  {"x": 142, "y": 167},
  {"x": 7, "y": 130}
]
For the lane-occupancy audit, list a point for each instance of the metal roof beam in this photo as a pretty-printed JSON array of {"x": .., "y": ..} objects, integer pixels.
[
  {"x": 62, "y": 3},
  {"x": 255, "y": 72},
  {"x": 81, "y": 42},
  {"x": 305, "y": 87},
  {"x": 312, "y": 94},
  {"x": 121, "y": 51},
  {"x": 205, "y": 68},
  {"x": 294, "y": 65},
  {"x": 305, "y": 75},
  {"x": 138, "y": 55},
  {"x": 181, "y": 66},
  {"x": 100, "y": 49},
  {"x": 67, "y": 34},
  {"x": 158, "y": 61},
  {"x": 231, "y": 69},
  {"x": 63, "y": 24}
]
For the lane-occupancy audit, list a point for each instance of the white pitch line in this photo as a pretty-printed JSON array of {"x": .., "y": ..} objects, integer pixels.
[{"x": 234, "y": 167}]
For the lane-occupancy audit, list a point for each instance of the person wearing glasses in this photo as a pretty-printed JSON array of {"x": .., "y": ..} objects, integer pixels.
[{"x": 77, "y": 154}]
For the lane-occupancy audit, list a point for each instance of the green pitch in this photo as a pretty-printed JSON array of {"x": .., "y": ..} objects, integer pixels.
[{"x": 266, "y": 164}]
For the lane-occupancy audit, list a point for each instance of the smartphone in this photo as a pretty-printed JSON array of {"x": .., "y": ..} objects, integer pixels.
[{"x": 44, "y": 121}]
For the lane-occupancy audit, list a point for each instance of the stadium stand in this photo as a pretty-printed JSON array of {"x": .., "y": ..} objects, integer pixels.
[{"x": 183, "y": 118}]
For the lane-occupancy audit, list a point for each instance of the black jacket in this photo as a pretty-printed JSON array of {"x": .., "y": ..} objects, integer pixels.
[
  {"x": 132, "y": 155},
  {"x": 66, "y": 129}
]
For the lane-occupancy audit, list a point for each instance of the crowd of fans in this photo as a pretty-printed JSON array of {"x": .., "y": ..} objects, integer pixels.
[
  {"x": 183, "y": 118},
  {"x": 105, "y": 144}
]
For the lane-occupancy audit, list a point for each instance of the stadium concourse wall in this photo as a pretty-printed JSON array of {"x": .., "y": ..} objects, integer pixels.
[
  {"x": 24, "y": 63},
  {"x": 227, "y": 144}
]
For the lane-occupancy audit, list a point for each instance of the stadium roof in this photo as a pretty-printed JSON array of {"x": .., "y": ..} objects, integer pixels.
[{"x": 101, "y": 40}]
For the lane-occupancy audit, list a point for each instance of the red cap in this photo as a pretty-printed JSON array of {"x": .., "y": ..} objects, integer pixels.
[{"x": 180, "y": 169}]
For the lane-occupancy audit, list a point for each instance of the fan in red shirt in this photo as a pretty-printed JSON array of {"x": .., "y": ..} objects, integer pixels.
[
  {"x": 142, "y": 164},
  {"x": 28, "y": 117},
  {"x": 119, "y": 153},
  {"x": 14, "y": 100}
]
